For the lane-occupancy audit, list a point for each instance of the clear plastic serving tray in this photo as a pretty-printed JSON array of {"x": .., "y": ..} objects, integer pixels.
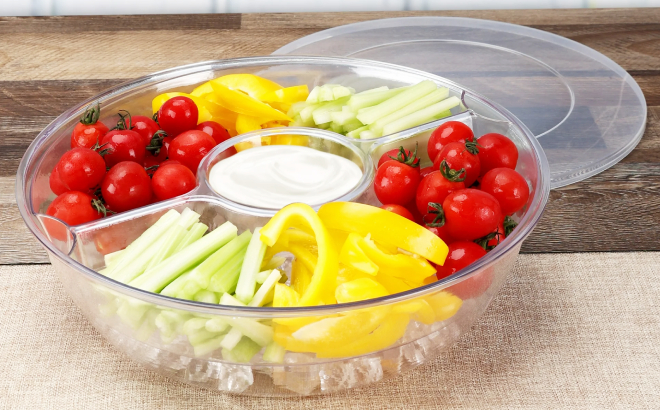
[{"x": 144, "y": 325}]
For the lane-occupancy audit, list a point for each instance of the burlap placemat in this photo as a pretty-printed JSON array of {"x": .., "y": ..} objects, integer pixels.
[{"x": 567, "y": 331}]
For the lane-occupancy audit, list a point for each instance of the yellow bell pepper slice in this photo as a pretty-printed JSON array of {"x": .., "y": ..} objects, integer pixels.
[
  {"x": 444, "y": 305},
  {"x": 384, "y": 227},
  {"x": 320, "y": 289},
  {"x": 353, "y": 255},
  {"x": 421, "y": 310},
  {"x": 411, "y": 268},
  {"x": 287, "y": 95},
  {"x": 359, "y": 289},
  {"x": 290, "y": 139},
  {"x": 245, "y": 124},
  {"x": 252, "y": 85},
  {"x": 284, "y": 296},
  {"x": 347, "y": 274},
  {"x": 202, "y": 90},
  {"x": 244, "y": 104},
  {"x": 394, "y": 284},
  {"x": 391, "y": 330},
  {"x": 301, "y": 277}
]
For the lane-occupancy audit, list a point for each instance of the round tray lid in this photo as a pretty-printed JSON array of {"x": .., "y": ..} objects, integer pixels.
[{"x": 586, "y": 111}]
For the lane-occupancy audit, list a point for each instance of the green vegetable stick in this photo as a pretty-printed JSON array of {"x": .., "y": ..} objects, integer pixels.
[
  {"x": 432, "y": 98},
  {"x": 208, "y": 346},
  {"x": 206, "y": 296},
  {"x": 265, "y": 293},
  {"x": 156, "y": 278},
  {"x": 421, "y": 116},
  {"x": 274, "y": 353},
  {"x": 251, "y": 264},
  {"x": 137, "y": 248},
  {"x": 217, "y": 325},
  {"x": 226, "y": 279},
  {"x": 111, "y": 259},
  {"x": 397, "y": 102},
  {"x": 204, "y": 271},
  {"x": 196, "y": 231},
  {"x": 231, "y": 339},
  {"x": 243, "y": 352},
  {"x": 368, "y": 99}
]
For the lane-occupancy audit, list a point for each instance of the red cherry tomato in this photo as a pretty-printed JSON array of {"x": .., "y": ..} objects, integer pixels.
[
  {"x": 498, "y": 237},
  {"x": 496, "y": 151},
  {"x": 399, "y": 210},
  {"x": 74, "y": 208},
  {"x": 126, "y": 186},
  {"x": 451, "y": 131},
  {"x": 425, "y": 171},
  {"x": 462, "y": 254},
  {"x": 144, "y": 126},
  {"x": 471, "y": 214},
  {"x": 86, "y": 136},
  {"x": 396, "y": 183},
  {"x": 123, "y": 145},
  {"x": 397, "y": 155},
  {"x": 508, "y": 187},
  {"x": 215, "y": 130},
  {"x": 190, "y": 147},
  {"x": 169, "y": 162},
  {"x": 172, "y": 180},
  {"x": 459, "y": 156},
  {"x": 178, "y": 114},
  {"x": 441, "y": 232},
  {"x": 81, "y": 169},
  {"x": 56, "y": 184},
  {"x": 434, "y": 188}
]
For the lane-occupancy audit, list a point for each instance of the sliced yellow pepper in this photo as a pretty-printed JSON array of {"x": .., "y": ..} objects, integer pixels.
[
  {"x": 391, "y": 330},
  {"x": 353, "y": 255},
  {"x": 244, "y": 104},
  {"x": 290, "y": 139},
  {"x": 359, "y": 289},
  {"x": 252, "y": 85},
  {"x": 301, "y": 277},
  {"x": 287, "y": 95},
  {"x": 394, "y": 284},
  {"x": 444, "y": 305},
  {"x": 245, "y": 124},
  {"x": 324, "y": 277},
  {"x": 408, "y": 267},
  {"x": 384, "y": 227},
  {"x": 284, "y": 296}
]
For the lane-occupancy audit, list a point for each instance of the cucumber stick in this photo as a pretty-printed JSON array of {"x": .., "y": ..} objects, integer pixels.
[
  {"x": 274, "y": 353},
  {"x": 431, "y": 98},
  {"x": 204, "y": 271},
  {"x": 174, "y": 236},
  {"x": 225, "y": 280},
  {"x": 422, "y": 116},
  {"x": 156, "y": 278},
  {"x": 265, "y": 293},
  {"x": 196, "y": 231},
  {"x": 251, "y": 264},
  {"x": 397, "y": 102},
  {"x": 243, "y": 352},
  {"x": 367, "y": 99}
]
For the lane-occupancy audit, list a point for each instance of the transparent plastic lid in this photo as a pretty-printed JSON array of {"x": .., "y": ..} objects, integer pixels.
[{"x": 586, "y": 111}]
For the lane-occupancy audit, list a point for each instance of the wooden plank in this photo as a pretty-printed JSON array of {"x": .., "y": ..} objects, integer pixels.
[{"x": 79, "y": 24}]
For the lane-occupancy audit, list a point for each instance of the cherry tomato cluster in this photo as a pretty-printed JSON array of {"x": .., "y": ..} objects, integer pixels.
[
  {"x": 140, "y": 161},
  {"x": 466, "y": 197}
]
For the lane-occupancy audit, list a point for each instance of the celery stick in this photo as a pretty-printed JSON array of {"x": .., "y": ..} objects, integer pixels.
[
  {"x": 148, "y": 326},
  {"x": 356, "y": 132},
  {"x": 341, "y": 91},
  {"x": 226, "y": 279},
  {"x": 336, "y": 128},
  {"x": 201, "y": 336},
  {"x": 139, "y": 264},
  {"x": 132, "y": 312},
  {"x": 156, "y": 278},
  {"x": 137, "y": 248},
  {"x": 296, "y": 107},
  {"x": 166, "y": 324},
  {"x": 421, "y": 116},
  {"x": 196, "y": 231},
  {"x": 176, "y": 287},
  {"x": 274, "y": 353},
  {"x": 313, "y": 96},
  {"x": 217, "y": 325},
  {"x": 256, "y": 331},
  {"x": 204, "y": 271},
  {"x": 253, "y": 258},
  {"x": 298, "y": 122},
  {"x": 172, "y": 239},
  {"x": 208, "y": 346},
  {"x": 326, "y": 94},
  {"x": 306, "y": 113},
  {"x": 243, "y": 352},
  {"x": 191, "y": 326},
  {"x": 352, "y": 125},
  {"x": 397, "y": 102},
  {"x": 112, "y": 259},
  {"x": 229, "y": 300},
  {"x": 369, "y": 135},
  {"x": 342, "y": 117},
  {"x": 432, "y": 98},
  {"x": 265, "y": 293},
  {"x": 206, "y": 296},
  {"x": 367, "y": 99},
  {"x": 231, "y": 339},
  {"x": 321, "y": 115},
  {"x": 262, "y": 276}
]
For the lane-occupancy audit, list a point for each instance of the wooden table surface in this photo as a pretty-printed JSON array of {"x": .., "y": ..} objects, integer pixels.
[{"x": 48, "y": 64}]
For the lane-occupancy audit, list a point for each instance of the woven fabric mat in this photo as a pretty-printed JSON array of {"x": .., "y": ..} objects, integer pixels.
[{"x": 567, "y": 331}]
